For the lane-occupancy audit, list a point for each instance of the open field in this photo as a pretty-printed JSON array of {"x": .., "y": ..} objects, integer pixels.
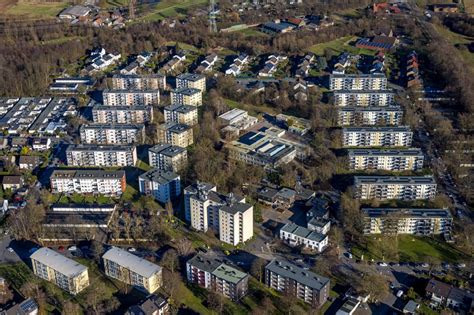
[
  {"x": 340, "y": 45},
  {"x": 33, "y": 10},
  {"x": 411, "y": 248},
  {"x": 458, "y": 39},
  {"x": 169, "y": 8},
  {"x": 468, "y": 6}
]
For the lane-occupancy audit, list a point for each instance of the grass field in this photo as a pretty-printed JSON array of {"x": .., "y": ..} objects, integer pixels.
[
  {"x": 468, "y": 6},
  {"x": 458, "y": 39},
  {"x": 36, "y": 10},
  {"x": 252, "y": 109},
  {"x": 412, "y": 249},
  {"x": 340, "y": 45},
  {"x": 251, "y": 31},
  {"x": 169, "y": 8}
]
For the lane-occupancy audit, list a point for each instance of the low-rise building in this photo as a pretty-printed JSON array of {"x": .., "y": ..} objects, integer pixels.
[
  {"x": 167, "y": 157},
  {"x": 370, "y": 116},
  {"x": 186, "y": 96},
  {"x": 386, "y": 160},
  {"x": 295, "y": 235},
  {"x": 41, "y": 144},
  {"x": 191, "y": 80},
  {"x": 228, "y": 215},
  {"x": 395, "y": 187},
  {"x": 262, "y": 149},
  {"x": 92, "y": 155},
  {"x": 212, "y": 274},
  {"x": 364, "y": 98},
  {"x": 12, "y": 182},
  {"x": 153, "y": 305},
  {"x": 130, "y": 97},
  {"x": 400, "y": 136},
  {"x": 176, "y": 134},
  {"x": 303, "y": 284},
  {"x": 444, "y": 295},
  {"x": 112, "y": 133},
  {"x": 319, "y": 225},
  {"x": 27, "y": 307},
  {"x": 132, "y": 270},
  {"x": 406, "y": 221},
  {"x": 374, "y": 81},
  {"x": 182, "y": 114},
  {"x": 139, "y": 114},
  {"x": 88, "y": 182},
  {"x": 66, "y": 273},
  {"x": 139, "y": 82},
  {"x": 236, "y": 120},
  {"x": 164, "y": 186},
  {"x": 296, "y": 125},
  {"x": 28, "y": 162}
]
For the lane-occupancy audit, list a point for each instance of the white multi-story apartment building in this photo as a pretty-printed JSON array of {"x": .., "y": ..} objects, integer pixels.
[
  {"x": 131, "y": 97},
  {"x": 186, "y": 96},
  {"x": 191, "y": 80},
  {"x": 162, "y": 185},
  {"x": 296, "y": 235},
  {"x": 386, "y": 160},
  {"x": 66, "y": 273},
  {"x": 205, "y": 209},
  {"x": 375, "y": 81},
  {"x": 377, "y": 98},
  {"x": 183, "y": 114},
  {"x": 406, "y": 221},
  {"x": 92, "y": 155},
  {"x": 176, "y": 134},
  {"x": 132, "y": 270},
  {"x": 112, "y": 133},
  {"x": 211, "y": 273},
  {"x": 285, "y": 277},
  {"x": 369, "y": 116},
  {"x": 400, "y": 136},
  {"x": 122, "y": 114},
  {"x": 88, "y": 182},
  {"x": 395, "y": 187},
  {"x": 167, "y": 157},
  {"x": 139, "y": 82}
]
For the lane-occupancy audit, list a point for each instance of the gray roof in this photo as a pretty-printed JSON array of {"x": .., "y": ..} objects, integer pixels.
[
  {"x": 159, "y": 176},
  {"x": 181, "y": 108},
  {"x": 58, "y": 262},
  {"x": 167, "y": 149},
  {"x": 204, "y": 262},
  {"x": 236, "y": 207},
  {"x": 407, "y": 212},
  {"x": 95, "y": 147},
  {"x": 386, "y": 152},
  {"x": 401, "y": 180},
  {"x": 298, "y": 274},
  {"x": 186, "y": 91},
  {"x": 99, "y": 126},
  {"x": 303, "y": 232},
  {"x": 135, "y": 264},
  {"x": 377, "y": 129},
  {"x": 190, "y": 77},
  {"x": 102, "y": 174},
  {"x": 77, "y": 10}
]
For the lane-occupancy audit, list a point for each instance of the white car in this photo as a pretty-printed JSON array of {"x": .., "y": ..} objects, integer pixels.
[
  {"x": 132, "y": 249},
  {"x": 400, "y": 293},
  {"x": 425, "y": 265},
  {"x": 10, "y": 249},
  {"x": 382, "y": 264},
  {"x": 72, "y": 248}
]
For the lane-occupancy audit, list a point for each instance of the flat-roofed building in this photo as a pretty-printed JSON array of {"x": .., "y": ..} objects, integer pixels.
[
  {"x": 66, "y": 273},
  {"x": 186, "y": 96},
  {"x": 386, "y": 159},
  {"x": 395, "y": 187},
  {"x": 369, "y": 116},
  {"x": 112, "y": 133},
  {"x": 236, "y": 120},
  {"x": 262, "y": 149},
  {"x": 139, "y": 82},
  {"x": 88, "y": 182},
  {"x": 162, "y": 185},
  {"x": 212, "y": 274},
  {"x": 229, "y": 215},
  {"x": 167, "y": 157},
  {"x": 400, "y": 136},
  {"x": 295, "y": 235},
  {"x": 92, "y": 155},
  {"x": 416, "y": 221},
  {"x": 285, "y": 277},
  {"x": 139, "y": 114},
  {"x": 180, "y": 135},
  {"x": 132, "y": 270},
  {"x": 131, "y": 97},
  {"x": 191, "y": 80},
  {"x": 364, "y": 98},
  {"x": 375, "y": 81},
  {"x": 182, "y": 114}
]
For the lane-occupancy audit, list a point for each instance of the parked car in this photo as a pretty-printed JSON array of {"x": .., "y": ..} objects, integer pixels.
[
  {"x": 400, "y": 293},
  {"x": 132, "y": 249},
  {"x": 72, "y": 248},
  {"x": 383, "y": 264},
  {"x": 9, "y": 249}
]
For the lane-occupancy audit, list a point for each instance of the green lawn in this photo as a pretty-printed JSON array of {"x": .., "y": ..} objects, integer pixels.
[
  {"x": 169, "y": 8},
  {"x": 412, "y": 249},
  {"x": 16, "y": 274},
  {"x": 183, "y": 46},
  {"x": 340, "y": 45},
  {"x": 115, "y": 3},
  {"x": 37, "y": 10},
  {"x": 458, "y": 39},
  {"x": 251, "y": 31},
  {"x": 252, "y": 109}
]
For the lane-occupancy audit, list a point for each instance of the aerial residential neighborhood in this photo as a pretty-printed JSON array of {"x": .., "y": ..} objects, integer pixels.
[{"x": 236, "y": 157}]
